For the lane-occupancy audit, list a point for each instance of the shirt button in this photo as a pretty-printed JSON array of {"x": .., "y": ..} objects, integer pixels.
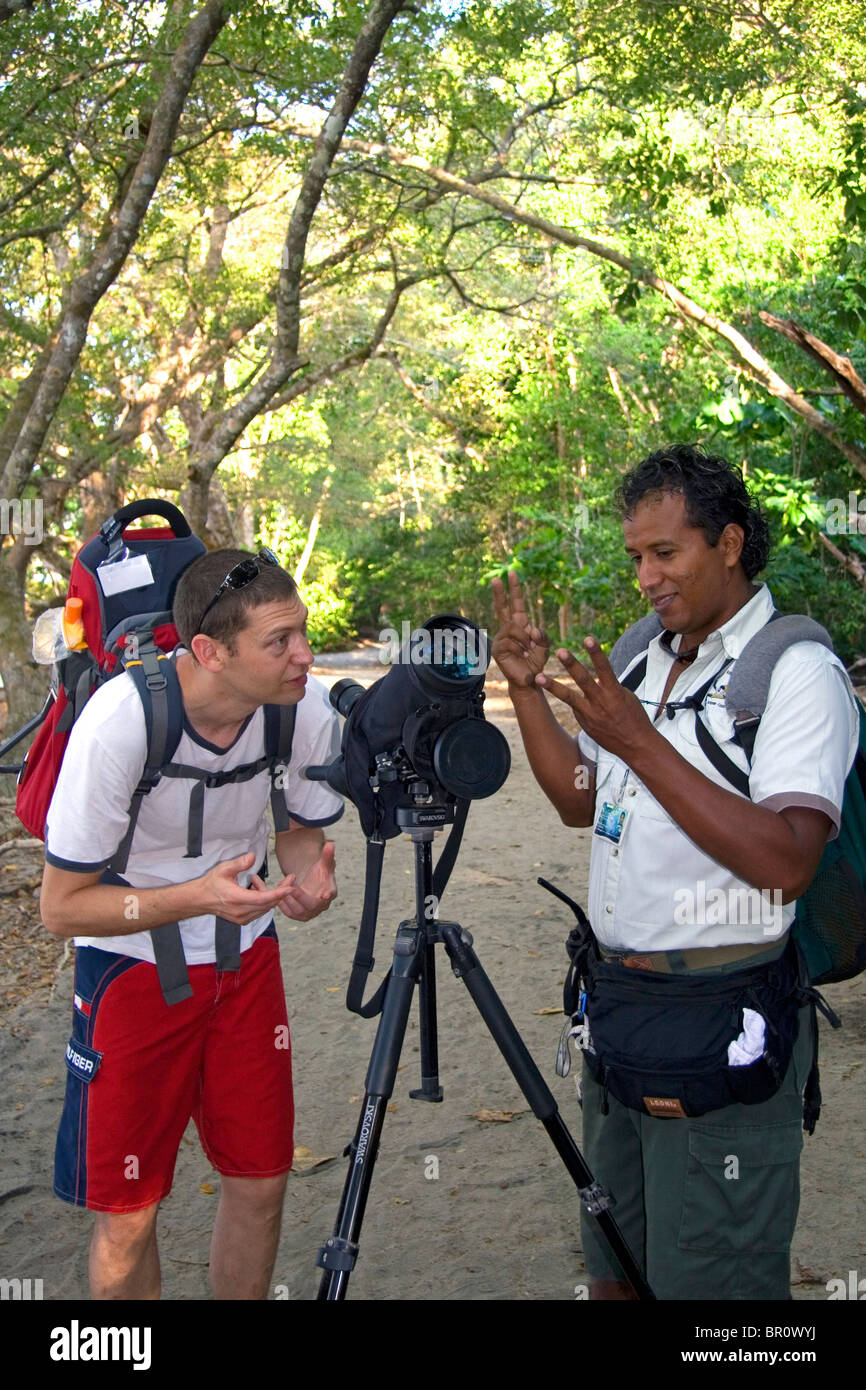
[
  {"x": 614, "y": 852},
  {"x": 608, "y": 908},
  {"x": 632, "y": 791}
]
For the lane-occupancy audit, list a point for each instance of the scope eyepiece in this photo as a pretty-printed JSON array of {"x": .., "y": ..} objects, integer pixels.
[{"x": 344, "y": 695}]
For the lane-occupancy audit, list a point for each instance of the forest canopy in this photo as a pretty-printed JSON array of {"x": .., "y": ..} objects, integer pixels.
[{"x": 401, "y": 290}]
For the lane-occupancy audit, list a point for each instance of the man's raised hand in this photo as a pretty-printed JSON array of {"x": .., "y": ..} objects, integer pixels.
[
  {"x": 519, "y": 649},
  {"x": 603, "y": 708}
]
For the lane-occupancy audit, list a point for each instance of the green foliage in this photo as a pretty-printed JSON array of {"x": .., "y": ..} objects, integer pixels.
[
  {"x": 792, "y": 506},
  {"x": 801, "y": 582},
  {"x": 722, "y": 145},
  {"x": 330, "y": 621}
]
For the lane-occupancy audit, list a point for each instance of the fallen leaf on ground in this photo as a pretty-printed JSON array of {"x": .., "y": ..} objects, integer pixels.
[
  {"x": 502, "y": 1117},
  {"x": 208, "y": 1188},
  {"x": 305, "y": 1159},
  {"x": 553, "y": 1009}
]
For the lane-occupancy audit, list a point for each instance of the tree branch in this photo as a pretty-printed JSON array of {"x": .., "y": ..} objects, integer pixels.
[
  {"x": 91, "y": 285},
  {"x": 352, "y": 359},
  {"x": 435, "y": 412},
  {"x": 756, "y": 365},
  {"x": 850, "y": 562},
  {"x": 841, "y": 369},
  {"x": 327, "y": 142},
  {"x": 219, "y": 432}
]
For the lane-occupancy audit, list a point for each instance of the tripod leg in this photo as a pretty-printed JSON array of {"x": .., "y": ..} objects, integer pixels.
[
  {"x": 596, "y": 1201},
  {"x": 338, "y": 1255},
  {"x": 429, "y": 1089}
]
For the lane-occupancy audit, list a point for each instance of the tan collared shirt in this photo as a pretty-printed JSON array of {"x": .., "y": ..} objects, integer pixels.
[{"x": 656, "y": 890}]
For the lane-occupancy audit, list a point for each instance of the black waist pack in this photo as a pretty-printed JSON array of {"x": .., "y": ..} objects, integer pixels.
[{"x": 659, "y": 1043}]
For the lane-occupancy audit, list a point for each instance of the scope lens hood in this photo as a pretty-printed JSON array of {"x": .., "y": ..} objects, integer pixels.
[
  {"x": 447, "y": 655},
  {"x": 471, "y": 759}
]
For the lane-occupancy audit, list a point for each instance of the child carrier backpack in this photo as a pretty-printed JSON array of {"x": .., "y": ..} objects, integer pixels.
[
  {"x": 830, "y": 922},
  {"x": 131, "y": 629}
]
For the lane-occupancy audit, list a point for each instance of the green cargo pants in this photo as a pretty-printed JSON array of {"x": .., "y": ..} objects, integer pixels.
[{"x": 708, "y": 1206}]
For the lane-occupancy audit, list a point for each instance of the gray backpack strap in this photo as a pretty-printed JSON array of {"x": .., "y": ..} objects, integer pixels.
[
  {"x": 749, "y": 685},
  {"x": 227, "y": 944},
  {"x": 279, "y": 736},
  {"x": 633, "y": 641},
  {"x": 155, "y": 678},
  {"x": 201, "y": 779},
  {"x": 170, "y": 962},
  {"x": 167, "y": 950},
  {"x": 163, "y": 706}
]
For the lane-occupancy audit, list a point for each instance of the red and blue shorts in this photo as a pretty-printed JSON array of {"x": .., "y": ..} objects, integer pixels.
[{"x": 139, "y": 1069}]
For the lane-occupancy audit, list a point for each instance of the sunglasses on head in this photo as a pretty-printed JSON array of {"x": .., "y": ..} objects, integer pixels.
[{"x": 243, "y": 573}]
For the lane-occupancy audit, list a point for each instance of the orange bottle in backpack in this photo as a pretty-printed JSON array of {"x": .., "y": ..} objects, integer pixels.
[{"x": 72, "y": 625}]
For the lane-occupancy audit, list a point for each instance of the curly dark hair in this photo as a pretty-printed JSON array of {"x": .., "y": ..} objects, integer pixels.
[{"x": 714, "y": 492}]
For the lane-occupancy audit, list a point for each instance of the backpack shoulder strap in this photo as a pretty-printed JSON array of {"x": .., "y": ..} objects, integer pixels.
[
  {"x": 635, "y": 639},
  {"x": 748, "y": 687},
  {"x": 279, "y": 736},
  {"x": 155, "y": 678},
  {"x": 746, "y": 695}
]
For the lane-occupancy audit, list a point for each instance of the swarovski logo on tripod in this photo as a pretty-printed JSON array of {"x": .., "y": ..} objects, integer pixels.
[{"x": 364, "y": 1136}]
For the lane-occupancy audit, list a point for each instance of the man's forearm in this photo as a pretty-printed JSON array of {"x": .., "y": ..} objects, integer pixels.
[
  {"x": 298, "y": 849},
  {"x": 758, "y": 845},
  {"x": 106, "y": 910},
  {"x": 554, "y": 757}
]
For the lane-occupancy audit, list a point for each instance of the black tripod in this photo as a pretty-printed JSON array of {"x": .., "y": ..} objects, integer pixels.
[{"x": 414, "y": 962}]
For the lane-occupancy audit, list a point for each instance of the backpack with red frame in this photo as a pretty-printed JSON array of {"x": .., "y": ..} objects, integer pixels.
[
  {"x": 125, "y": 581},
  {"x": 108, "y": 621}
]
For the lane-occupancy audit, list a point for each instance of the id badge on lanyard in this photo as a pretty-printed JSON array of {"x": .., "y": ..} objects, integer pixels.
[{"x": 612, "y": 816}]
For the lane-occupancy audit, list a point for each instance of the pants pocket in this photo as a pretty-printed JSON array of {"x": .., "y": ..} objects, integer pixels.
[{"x": 742, "y": 1189}]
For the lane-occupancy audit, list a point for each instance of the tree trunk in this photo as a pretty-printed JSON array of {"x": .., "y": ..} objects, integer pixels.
[
  {"x": 313, "y": 531},
  {"x": 100, "y": 497},
  {"x": 88, "y": 288},
  {"x": 26, "y": 683}
]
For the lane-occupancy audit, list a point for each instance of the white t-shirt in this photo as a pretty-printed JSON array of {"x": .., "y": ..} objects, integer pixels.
[
  {"x": 655, "y": 890},
  {"x": 104, "y": 759}
]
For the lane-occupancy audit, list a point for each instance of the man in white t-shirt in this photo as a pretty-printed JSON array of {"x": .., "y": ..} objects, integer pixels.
[
  {"x": 139, "y": 1066},
  {"x": 706, "y": 1201}
]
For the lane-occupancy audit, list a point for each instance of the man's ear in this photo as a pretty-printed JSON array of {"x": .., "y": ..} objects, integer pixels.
[
  {"x": 732, "y": 540},
  {"x": 208, "y": 652}
]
